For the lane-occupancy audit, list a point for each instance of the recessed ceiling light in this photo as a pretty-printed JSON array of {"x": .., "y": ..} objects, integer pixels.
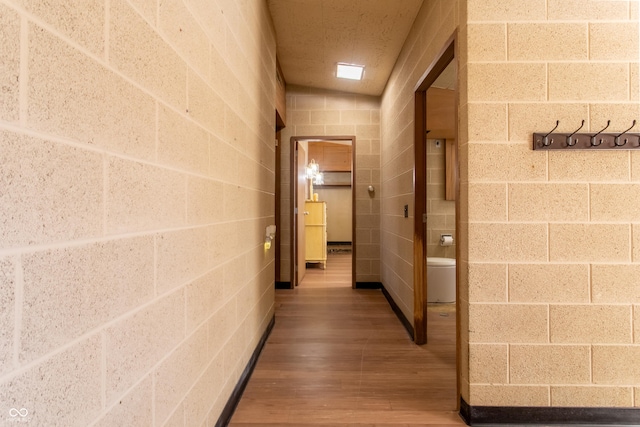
[{"x": 350, "y": 71}]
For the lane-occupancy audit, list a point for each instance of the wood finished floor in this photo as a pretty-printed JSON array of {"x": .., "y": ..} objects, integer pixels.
[
  {"x": 336, "y": 275},
  {"x": 340, "y": 357}
]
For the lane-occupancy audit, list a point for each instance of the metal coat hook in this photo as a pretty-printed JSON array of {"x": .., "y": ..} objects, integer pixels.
[
  {"x": 545, "y": 139},
  {"x": 570, "y": 137},
  {"x": 616, "y": 140},
  {"x": 598, "y": 141},
  {"x": 593, "y": 137}
]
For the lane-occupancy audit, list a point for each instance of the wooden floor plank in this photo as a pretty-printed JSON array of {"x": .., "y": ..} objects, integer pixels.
[
  {"x": 337, "y": 273},
  {"x": 340, "y": 357}
]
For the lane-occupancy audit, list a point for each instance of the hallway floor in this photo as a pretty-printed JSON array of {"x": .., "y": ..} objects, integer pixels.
[
  {"x": 336, "y": 275},
  {"x": 340, "y": 357}
]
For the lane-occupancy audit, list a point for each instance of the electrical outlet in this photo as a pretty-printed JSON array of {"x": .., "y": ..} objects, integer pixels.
[{"x": 406, "y": 211}]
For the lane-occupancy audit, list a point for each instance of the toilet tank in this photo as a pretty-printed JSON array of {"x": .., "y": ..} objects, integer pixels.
[{"x": 441, "y": 279}]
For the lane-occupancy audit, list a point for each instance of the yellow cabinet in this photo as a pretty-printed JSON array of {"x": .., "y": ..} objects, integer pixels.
[{"x": 316, "y": 232}]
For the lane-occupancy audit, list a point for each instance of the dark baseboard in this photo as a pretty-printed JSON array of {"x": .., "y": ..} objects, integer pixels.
[
  {"x": 403, "y": 319},
  {"x": 339, "y": 243},
  {"x": 283, "y": 285},
  {"x": 236, "y": 395},
  {"x": 478, "y": 415},
  {"x": 368, "y": 285}
]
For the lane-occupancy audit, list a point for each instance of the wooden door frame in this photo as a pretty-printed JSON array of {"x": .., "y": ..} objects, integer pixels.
[
  {"x": 278, "y": 192},
  {"x": 446, "y": 56},
  {"x": 293, "y": 191}
]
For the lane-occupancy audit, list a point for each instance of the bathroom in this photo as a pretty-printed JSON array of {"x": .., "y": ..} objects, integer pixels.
[
  {"x": 441, "y": 213},
  {"x": 441, "y": 182},
  {"x": 441, "y": 227}
]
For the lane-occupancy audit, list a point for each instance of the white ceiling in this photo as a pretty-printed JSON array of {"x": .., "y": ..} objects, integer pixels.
[{"x": 314, "y": 35}]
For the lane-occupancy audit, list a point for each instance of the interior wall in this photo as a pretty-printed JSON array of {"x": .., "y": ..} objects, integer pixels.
[
  {"x": 441, "y": 213},
  {"x": 551, "y": 263},
  {"x": 338, "y": 212},
  {"x": 548, "y": 240},
  {"x": 137, "y": 178},
  {"x": 314, "y": 112},
  {"x": 434, "y": 25}
]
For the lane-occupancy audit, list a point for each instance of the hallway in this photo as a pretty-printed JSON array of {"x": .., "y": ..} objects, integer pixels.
[
  {"x": 339, "y": 357},
  {"x": 336, "y": 275}
]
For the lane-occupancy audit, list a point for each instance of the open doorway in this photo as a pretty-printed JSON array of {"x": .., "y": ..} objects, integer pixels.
[
  {"x": 436, "y": 193},
  {"x": 322, "y": 211}
]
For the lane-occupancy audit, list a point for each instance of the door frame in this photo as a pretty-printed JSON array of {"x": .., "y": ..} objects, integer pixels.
[
  {"x": 446, "y": 56},
  {"x": 278, "y": 192},
  {"x": 300, "y": 205},
  {"x": 293, "y": 201}
]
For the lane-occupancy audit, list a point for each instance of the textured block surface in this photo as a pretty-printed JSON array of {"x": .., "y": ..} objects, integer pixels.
[
  {"x": 99, "y": 283},
  {"x": 611, "y": 364},
  {"x": 593, "y": 397},
  {"x": 7, "y": 312},
  {"x": 549, "y": 364},
  {"x": 508, "y": 323},
  {"x": 139, "y": 52},
  {"x": 86, "y": 99},
  {"x": 138, "y": 342},
  {"x": 140, "y": 196},
  {"x": 549, "y": 283},
  {"x": 64, "y": 389},
  {"x": 10, "y": 58},
  {"x": 125, "y": 128},
  {"x": 573, "y": 242},
  {"x": 509, "y": 395},
  {"x": 51, "y": 192},
  {"x": 590, "y": 324}
]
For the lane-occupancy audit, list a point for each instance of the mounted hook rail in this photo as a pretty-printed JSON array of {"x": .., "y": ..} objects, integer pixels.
[{"x": 553, "y": 140}]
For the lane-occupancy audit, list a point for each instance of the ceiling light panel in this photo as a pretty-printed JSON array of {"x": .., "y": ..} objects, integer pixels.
[{"x": 350, "y": 71}]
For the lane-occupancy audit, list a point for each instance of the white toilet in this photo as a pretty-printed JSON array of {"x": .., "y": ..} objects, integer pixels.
[{"x": 441, "y": 279}]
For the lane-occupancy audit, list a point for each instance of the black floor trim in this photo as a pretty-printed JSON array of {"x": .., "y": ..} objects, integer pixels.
[
  {"x": 403, "y": 319},
  {"x": 478, "y": 415},
  {"x": 283, "y": 285},
  {"x": 236, "y": 395},
  {"x": 368, "y": 285}
]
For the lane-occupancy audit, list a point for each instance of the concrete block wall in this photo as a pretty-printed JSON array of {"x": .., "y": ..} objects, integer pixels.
[
  {"x": 550, "y": 255},
  {"x": 314, "y": 112},
  {"x": 548, "y": 240},
  {"x": 137, "y": 178},
  {"x": 434, "y": 25}
]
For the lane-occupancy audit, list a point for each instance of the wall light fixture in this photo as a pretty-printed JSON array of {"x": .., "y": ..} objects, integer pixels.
[{"x": 270, "y": 235}]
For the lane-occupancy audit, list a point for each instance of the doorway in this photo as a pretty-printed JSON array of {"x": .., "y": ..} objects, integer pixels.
[
  {"x": 422, "y": 132},
  {"x": 334, "y": 157},
  {"x": 428, "y": 128}
]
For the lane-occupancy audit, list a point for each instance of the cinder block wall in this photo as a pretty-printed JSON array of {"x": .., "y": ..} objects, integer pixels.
[
  {"x": 435, "y": 23},
  {"x": 551, "y": 239},
  {"x": 549, "y": 266},
  {"x": 314, "y": 112},
  {"x": 136, "y": 144}
]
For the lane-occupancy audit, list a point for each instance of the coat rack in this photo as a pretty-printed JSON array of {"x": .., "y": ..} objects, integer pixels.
[{"x": 587, "y": 141}]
